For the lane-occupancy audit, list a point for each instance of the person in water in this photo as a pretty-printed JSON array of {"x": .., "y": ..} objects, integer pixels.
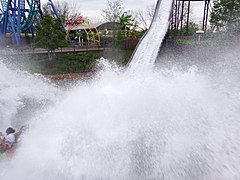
[{"x": 8, "y": 139}]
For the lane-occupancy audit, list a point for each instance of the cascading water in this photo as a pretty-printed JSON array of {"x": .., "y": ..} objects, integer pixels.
[
  {"x": 169, "y": 124},
  {"x": 147, "y": 51}
]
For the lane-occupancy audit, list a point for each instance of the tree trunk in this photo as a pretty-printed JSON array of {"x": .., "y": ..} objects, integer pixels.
[{"x": 49, "y": 55}]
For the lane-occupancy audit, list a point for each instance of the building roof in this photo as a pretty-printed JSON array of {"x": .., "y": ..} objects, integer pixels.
[
  {"x": 90, "y": 26},
  {"x": 108, "y": 25}
]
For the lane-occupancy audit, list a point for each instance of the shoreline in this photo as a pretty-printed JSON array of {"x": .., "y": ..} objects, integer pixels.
[{"x": 69, "y": 76}]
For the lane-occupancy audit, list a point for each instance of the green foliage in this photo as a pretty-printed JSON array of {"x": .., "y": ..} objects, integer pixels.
[
  {"x": 75, "y": 62},
  {"x": 126, "y": 27},
  {"x": 192, "y": 42},
  {"x": 50, "y": 35},
  {"x": 191, "y": 30},
  {"x": 120, "y": 36},
  {"x": 61, "y": 63},
  {"x": 226, "y": 15},
  {"x": 139, "y": 34},
  {"x": 126, "y": 23}
]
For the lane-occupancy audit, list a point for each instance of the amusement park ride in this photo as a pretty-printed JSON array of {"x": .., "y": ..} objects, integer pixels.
[
  {"x": 18, "y": 17},
  {"x": 81, "y": 24}
]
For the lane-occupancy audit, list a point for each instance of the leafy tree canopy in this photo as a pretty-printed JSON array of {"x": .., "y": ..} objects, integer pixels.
[
  {"x": 126, "y": 20},
  {"x": 127, "y": 26},
  {"x": 50, "y": 35},
  {"x": 226, "y": 15}
]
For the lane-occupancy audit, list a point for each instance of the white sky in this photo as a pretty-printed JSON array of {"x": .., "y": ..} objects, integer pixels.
[{"x": 93, "y": 8}]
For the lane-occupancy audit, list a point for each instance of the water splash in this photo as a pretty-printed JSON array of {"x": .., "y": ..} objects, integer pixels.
[
  {"x": 169, "y": 124},
  {"x": 21, "y": 93}
]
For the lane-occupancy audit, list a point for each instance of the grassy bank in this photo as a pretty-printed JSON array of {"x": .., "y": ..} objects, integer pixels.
[
  {"x": 60, "y": 64},
  {"x": 63, "y": 63}
]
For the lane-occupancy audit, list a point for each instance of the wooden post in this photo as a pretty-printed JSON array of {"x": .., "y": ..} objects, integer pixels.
[
  {"x": 182, "y": 15},
  {"x": 188, "y": 16}
]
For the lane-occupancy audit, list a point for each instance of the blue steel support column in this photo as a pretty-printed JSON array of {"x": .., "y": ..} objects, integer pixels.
[
  {"x": 5, "y": 23},
  {"x": 12, "y": 14},
  {"x": 32, "y": 31},
  {"x": 53, "y": 7},
  {"x": 39, "y": 8},
  {"x": 40, "y": 12},
  {"x": 19, "y": 24},
  {"x": 1, "y": 32},
  {"x": 14, "y": 18},
  {"x": 38, "y": 21},
  {"x": 13, "y": 33}
]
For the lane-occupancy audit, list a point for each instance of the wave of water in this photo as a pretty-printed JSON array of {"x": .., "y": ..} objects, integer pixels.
[
  {"x": 169, "y": 124},
  {"x": 21, "y": 90}
]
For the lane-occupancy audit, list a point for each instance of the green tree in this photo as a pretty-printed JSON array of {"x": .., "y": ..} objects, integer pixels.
[
  {"x": 50, "y": 35},
  {"x": 126, "y": 25},
  {"x": 190, "y": 29},
  {"x": 126, "y": 21},
  {"x": 226, "y": 15}
]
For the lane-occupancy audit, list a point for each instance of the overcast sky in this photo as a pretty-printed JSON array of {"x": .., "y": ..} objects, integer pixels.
[{"x": 93, "y": 8}]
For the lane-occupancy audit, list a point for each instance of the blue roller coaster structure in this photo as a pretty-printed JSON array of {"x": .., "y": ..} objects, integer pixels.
[{"x": 18, "y": 16}]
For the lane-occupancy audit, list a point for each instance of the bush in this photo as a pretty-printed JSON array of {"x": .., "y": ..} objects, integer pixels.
[{"x": 61, "y": 63}]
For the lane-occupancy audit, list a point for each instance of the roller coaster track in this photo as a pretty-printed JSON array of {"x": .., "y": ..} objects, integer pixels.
[
  {"x": 17, "y": 16},
  {"x": 33, "y": 9},
  {"x": 3, "y": 4},
  {"x": 1, "y": 18}
]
